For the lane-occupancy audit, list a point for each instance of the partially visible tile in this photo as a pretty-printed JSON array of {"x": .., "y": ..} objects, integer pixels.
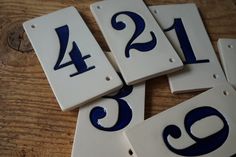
[
  {"x": 202, "y": 126},
  {"x": 184, "y": 28},
  {"x": 100, "y": 125},
  {"x": 227, "y": 51}
]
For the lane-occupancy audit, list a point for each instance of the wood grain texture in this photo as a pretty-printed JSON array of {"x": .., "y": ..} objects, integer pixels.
[{"x": 31, "y": 122}]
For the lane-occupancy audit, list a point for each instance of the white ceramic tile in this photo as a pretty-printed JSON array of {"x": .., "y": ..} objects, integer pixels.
[
  {"x": 140, "y": 48},
  {"x": 184, "y": 28},
  {"x": 73, "y": 62},
  {"x": 202, "y": 126},
  {"x": 102, "y": 136},
  {"x": 227, "y": 51}
]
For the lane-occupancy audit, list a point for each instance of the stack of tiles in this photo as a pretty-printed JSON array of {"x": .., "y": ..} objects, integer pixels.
[{"x": 109, "y": 87}]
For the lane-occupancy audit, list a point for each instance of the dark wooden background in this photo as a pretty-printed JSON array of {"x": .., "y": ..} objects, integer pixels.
[{"x": 31, "y": 122}]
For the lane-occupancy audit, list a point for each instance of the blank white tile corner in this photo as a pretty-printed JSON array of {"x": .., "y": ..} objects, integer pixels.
[
  {"x": 227, "y": 51},
  {"x": 193, "y": 46},
  {"x": 63, "y": 31},
  {"x": 124, "y": 35}
]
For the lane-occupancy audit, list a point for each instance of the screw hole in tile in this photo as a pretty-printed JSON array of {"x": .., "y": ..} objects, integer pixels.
[
  {"x": 226, "y": 93},
  {"x": 130, "y": 152},
  {"x": 215, "y": 76},
  {"x": 33, "y": 26},
  {"x": 108, "y": 78},
  {"x": 155, "y": 11},
  {"x": 171, "y": 60},
  {"x": 230, "y": 46}
]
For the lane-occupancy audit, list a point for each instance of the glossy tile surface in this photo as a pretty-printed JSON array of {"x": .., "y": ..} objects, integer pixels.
[
  {"x": 100, "y": 125},
  {"x": 73, "y": 62},
  {"x": 140, "y": 47},
  {"x": 184, "y": 28},
  {"x": 227, "y": 51},
  {"x": 201, "y": 126}
]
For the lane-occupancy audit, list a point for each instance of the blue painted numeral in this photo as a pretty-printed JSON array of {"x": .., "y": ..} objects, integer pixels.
[
  {"x": 76, "y": 57},
  {"x": 139, "y": 28},
  {"x": 184, "y": 42},
  {"x": 124, "y": 113},
  {"x": 202, "y": 145}
]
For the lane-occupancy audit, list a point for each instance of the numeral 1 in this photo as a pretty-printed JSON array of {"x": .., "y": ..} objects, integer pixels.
[
  {"x": 186, "y": 47},
  {"x": 76, "y": 57}
]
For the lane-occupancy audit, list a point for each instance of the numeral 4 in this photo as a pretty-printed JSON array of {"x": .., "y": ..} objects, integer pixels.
[{"x": 75, "y": 54}]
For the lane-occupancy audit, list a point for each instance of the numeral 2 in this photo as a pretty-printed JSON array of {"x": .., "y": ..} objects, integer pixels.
[
  {"x": 186, "y": 47},
  {"x": 76, "y": 57},
  {"x": 124, "y": 114},
  {"x": 139, "y": 28},
  {"x": 202, "y": 145}
]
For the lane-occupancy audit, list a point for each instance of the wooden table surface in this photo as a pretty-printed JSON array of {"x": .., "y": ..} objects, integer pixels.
[{"x": 31, "y": 122}]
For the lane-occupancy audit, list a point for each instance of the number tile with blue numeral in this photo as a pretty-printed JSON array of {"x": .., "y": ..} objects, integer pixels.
[
  {"x": 140, "y": 47},
  {"x": 76, "y": 67},
  {"x": 201, "y": 126},
  {"x": 100, "y": 125},
  {"x": 184, "y": 28}
]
